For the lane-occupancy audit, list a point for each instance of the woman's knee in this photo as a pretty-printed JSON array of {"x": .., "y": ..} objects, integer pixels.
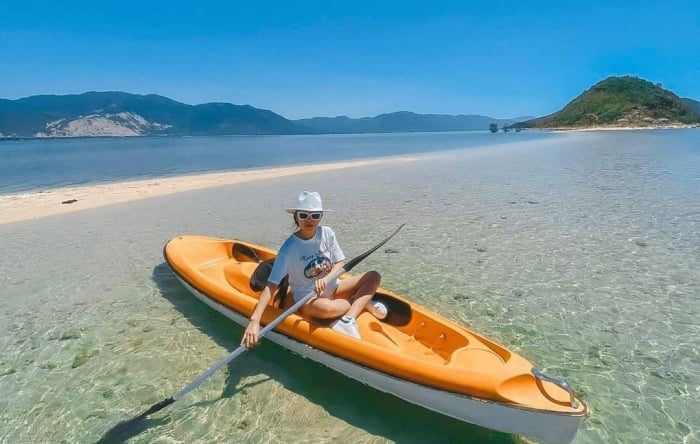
[{"x": 373, "y": 277}]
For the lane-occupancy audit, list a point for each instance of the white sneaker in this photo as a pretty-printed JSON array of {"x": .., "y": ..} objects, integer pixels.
[
  {"x": 348, "y": 325},
  {"x": 378, "y": 309}
]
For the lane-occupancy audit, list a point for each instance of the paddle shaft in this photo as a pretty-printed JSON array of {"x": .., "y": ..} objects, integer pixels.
[{"x": 234, "y": 354}]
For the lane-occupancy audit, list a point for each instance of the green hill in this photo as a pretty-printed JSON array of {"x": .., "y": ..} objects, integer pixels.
[
  {"x": 693, "y": 104},
  {"x": 621, "y": 101}
]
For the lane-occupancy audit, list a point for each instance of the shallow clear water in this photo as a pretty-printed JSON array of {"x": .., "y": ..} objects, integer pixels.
[
  {"x": 580, "y": 252},
  {"x": 36, "y": 164}
]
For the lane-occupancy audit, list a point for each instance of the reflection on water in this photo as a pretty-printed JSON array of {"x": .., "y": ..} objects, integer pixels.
[{"x": 581, "y": 253}]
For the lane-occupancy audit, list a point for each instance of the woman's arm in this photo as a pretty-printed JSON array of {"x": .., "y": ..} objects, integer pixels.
[
  {"x": 321, "y": 283},
  {"x": 337, "y": 266},
  {"x": 252, "y": 331}
]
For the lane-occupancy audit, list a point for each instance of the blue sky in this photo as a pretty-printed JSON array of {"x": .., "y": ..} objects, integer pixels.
[{"x": 356, "y": 58}]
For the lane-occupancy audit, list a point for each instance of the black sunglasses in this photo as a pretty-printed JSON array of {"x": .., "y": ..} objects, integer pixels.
[{"x": 303, "y": 215}]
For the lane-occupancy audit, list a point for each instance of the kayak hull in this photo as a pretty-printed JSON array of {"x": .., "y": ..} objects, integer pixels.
[{"x": 545, "y": 425}]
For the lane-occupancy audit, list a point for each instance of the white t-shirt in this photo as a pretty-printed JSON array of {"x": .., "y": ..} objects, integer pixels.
[{"x": 306, "y": 261}]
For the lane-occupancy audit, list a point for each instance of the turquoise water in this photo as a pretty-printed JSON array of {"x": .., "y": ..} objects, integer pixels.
[{"x": 581, "y": 252}]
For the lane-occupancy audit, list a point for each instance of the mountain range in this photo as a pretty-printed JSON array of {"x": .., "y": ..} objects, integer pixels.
[
  {"x": 124, "y": 114},
  {"x": 615, "y": 101},
  {"x": 405, "y": 121}
]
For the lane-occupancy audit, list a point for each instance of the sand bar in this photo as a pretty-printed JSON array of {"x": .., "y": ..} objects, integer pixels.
[{"x": 34, "y": 205}]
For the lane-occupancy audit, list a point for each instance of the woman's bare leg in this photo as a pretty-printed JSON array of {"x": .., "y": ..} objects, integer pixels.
[
  {"x": 358, "y": 291},
  {"x": 325, "y": 308},
  {"x": 351, "y": 297}
]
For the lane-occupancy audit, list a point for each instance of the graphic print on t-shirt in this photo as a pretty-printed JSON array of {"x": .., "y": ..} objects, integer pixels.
[{"x": 317, "y": 267}]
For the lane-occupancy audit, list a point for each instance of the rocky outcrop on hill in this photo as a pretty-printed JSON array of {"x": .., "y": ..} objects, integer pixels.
[{"x": 119, "y": 124}]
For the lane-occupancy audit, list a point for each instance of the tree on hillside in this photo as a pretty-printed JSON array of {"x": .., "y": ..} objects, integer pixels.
[{"x": 493, "y": 128}]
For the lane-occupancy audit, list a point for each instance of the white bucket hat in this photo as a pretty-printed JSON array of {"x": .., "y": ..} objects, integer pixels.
[{"x": 307, "y": 201}]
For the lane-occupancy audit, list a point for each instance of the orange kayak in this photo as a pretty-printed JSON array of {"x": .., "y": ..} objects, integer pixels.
[{"x": 413, "y": 353}]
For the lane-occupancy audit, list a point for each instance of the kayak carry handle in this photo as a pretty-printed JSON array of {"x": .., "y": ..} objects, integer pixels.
[{"x": 558, "y": 382}]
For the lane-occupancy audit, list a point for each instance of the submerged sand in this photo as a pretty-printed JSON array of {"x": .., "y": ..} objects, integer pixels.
[{"x": 34, "y": 205}]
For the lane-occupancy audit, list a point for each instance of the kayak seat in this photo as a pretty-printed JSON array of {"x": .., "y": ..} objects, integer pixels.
[
  {"x": 251, "y": 277},
  {"x": 238, "y": 276},
  {"x": 258, "y": 281}
]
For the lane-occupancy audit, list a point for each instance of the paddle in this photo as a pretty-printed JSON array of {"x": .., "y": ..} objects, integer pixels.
[{"x": 120, "y": 429}]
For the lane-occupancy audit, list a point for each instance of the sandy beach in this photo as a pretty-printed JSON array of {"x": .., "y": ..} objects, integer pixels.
[
  {"x": 28, "y": 206},
  {"x": 621, "y": 127}
]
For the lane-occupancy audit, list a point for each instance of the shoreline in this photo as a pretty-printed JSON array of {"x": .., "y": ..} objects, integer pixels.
[
  {"x": 565, "y": 129},
  {"x": 18, "y": 207}
]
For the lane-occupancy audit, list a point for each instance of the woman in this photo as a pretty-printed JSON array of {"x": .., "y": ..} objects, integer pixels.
[{"x": 307, "y": 256}]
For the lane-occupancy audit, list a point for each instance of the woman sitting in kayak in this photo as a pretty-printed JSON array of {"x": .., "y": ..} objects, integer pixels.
[{"x": 306, "y": 257}]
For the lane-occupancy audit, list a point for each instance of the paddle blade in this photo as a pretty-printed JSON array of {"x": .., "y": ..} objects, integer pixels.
[{"x": 132, "y": 427}]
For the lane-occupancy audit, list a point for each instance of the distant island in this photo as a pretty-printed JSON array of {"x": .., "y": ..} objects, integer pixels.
[
  {"x": 615, "y": 102},
  {"x": 622, "y": 102}
]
